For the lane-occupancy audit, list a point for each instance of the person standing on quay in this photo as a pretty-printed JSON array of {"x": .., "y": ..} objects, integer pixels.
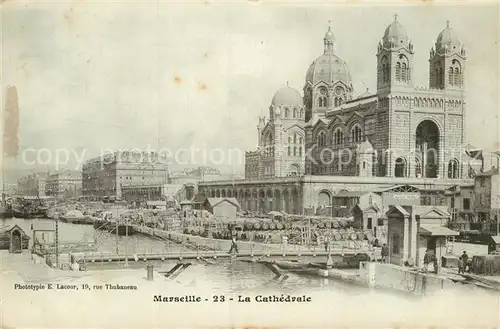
[
  {"x": 234, "y": 246},
  {"x": 462, "y": 262},
  {"x": 385, "y": 253}
]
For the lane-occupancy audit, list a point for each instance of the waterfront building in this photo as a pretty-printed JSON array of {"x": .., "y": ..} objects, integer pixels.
[
  {"x": 64, "y": 184},
  {"x": 487, "y": 199},
  {"x": 460, "y": 201},
  {"x": 33, "y": 184},
  {"x": 412, "y": 230},
  {"x": 396, "y": 136},
  {"x": 221, "y": 207},
  {"x": 194, "y": 175},
  {"x": 142, "y": 193},
  {"x": 369, "y": 208},
  {"x": 111, "y": 174}
]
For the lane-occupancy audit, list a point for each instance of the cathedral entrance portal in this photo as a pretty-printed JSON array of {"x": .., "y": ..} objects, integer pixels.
[{"x": 427, "y": 147}]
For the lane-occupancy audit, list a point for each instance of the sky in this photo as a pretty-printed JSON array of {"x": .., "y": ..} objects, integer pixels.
[{"x": 110, "y": 75}]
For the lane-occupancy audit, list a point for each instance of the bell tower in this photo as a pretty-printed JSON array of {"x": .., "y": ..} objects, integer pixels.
[
  {"x": 447, "y": 61},
  {"x": 394, "y": 58}
]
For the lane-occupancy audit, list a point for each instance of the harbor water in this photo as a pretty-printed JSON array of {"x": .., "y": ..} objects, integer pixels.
[{"x": 233, "y": 278}]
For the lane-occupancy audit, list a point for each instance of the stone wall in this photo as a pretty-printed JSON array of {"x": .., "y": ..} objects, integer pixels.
[{"x": 389, "y": 276}]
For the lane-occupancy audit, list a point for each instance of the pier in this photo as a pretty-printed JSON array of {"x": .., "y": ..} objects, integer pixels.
[
  {"x": 203, "y": 255},
  {"x": 208, "y": 249}
]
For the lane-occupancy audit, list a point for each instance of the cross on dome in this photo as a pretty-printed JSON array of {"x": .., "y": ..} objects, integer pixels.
[
  {"x": 448, "y": 23},
  {"x": 329, "y": 37},
  {"x": 396, "y": 16}
]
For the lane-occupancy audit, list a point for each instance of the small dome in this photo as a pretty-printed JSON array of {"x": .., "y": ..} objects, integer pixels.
[
  {"x": 395, "y": 33},
  {"x": 329, "y": 68},
  {"x": 448, "y": 38},
  {"x": 329, "y": 34},
  {"x": 287, "y": 96}
]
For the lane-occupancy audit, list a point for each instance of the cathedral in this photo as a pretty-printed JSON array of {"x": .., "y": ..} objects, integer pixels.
[
  {"x": 400, "y": 131},
  {"x": 330, "y": 149}
]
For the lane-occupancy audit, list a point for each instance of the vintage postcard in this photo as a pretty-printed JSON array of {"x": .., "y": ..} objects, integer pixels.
[{"x": 249, "y": 164}]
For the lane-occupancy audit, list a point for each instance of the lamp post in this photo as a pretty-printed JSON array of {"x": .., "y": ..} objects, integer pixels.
[
  {"x": 57, "y": 241},
  {"x": 126, "y": 242},
  {"x": 498, "y": 215}
]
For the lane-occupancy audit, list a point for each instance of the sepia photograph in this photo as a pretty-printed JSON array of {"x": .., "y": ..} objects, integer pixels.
[{"x": 249, "y": 164}]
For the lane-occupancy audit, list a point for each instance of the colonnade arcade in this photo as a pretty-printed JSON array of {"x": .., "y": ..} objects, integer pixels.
[{"x": 260, "y": 199}]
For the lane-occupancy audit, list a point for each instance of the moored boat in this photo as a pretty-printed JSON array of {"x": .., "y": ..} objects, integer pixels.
[
  {"x": 72, "y": 216},
  {"x": 5, "y": 211}
]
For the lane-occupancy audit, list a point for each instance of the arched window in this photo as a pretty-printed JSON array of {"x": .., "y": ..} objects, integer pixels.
[
  {"x": 441, "y": 78},
  {"x": 402, "y": 69},
  {"x": 338, "y": 136},
  {"x": 384, "y": 70},
  {"x": 453, "y": 169},
  {"x": 400, "y": 168},
  {"x": 356, "y": 134},
  {"x": 268, "y": 145},
  {"x": 418, "y": 168},
  {"x": 287, "y": 113},
  {"x": 295, "y": 145},
  {"x": 455, "y": 74},
  {"x": 321, "y": 139}
]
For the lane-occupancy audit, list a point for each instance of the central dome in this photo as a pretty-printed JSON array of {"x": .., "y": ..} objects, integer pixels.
[
  {"x": 329, "y": 68},
  {"x": 287, "y": 96}
]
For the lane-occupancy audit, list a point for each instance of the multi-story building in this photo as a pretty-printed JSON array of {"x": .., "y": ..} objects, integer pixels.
[
  {"x": 460, "y": 202},
  {"x": 64, "y": 184},
  {"x": 32, "y": 184},
  {"x": 487, "y": 198},
  {"x": 108, "y": 175}
]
